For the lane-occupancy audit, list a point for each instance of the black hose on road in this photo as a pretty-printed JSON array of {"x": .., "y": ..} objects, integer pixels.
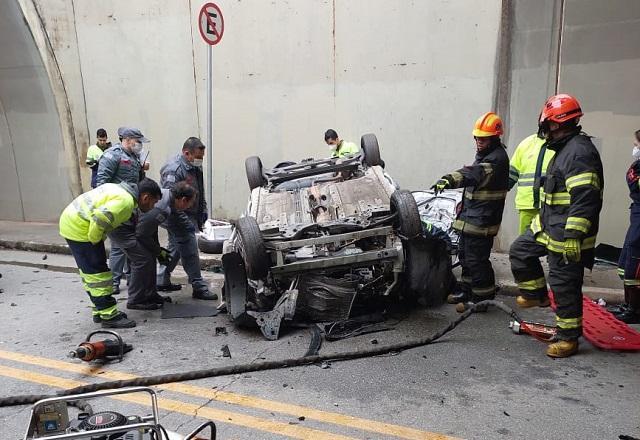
[{"x": 262, "y": 366}]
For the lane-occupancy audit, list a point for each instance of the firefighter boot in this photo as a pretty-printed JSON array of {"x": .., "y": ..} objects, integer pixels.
[
  {"x": 562, "y": 349},
  {"x": 460, "y": 294},
  {"x": 527, "y": 302}
]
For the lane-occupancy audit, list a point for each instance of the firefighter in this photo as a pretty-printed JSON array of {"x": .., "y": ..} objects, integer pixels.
[
  {"x": 84, "y": 224},
  {"x": 565, "y": 230},
  {"x": 485, "y": 186},
  {"x": 527, "y": 166},
  {"x": 629, "y": 264},
  {"x": 339, "y": 147},
  {"x": 121, "y": 163}
]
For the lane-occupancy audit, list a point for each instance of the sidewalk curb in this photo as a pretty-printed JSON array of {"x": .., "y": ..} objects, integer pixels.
[
  {"x": 207, "y": 261},
  {"x": 611, "y": 296},
  {"x": 35, "y": 247}
]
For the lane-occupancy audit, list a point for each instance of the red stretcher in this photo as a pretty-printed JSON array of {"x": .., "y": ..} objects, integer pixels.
[{"x": 603, "y": 330}]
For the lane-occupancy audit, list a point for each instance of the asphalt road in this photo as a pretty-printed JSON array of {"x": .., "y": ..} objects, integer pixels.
[{"x": 479, "y": 382}]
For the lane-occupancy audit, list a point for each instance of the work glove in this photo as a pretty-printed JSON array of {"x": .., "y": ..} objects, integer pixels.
[
  {"x": 440, "y": 186},
  {"x": 571, "y": 253},
  {"x": 164, "y": 257}
]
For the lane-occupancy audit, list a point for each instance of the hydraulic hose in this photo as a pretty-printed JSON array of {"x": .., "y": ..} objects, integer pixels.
[{"x": 267, "y": 365}]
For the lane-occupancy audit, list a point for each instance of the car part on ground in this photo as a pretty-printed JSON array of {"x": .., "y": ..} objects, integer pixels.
[
  {"x": 322, "y": 236},
  {"x": 213, "y": 236},
  {"x": 50, "y": 419}
]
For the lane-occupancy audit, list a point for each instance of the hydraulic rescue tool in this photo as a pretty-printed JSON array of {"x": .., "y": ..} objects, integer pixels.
[{"x": 107, "y": 349}]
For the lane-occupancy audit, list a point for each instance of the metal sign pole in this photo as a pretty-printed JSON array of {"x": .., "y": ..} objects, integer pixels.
[{"x": 209, "y": 130}]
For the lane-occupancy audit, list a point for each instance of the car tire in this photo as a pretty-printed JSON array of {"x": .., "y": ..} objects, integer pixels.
[
  {"x": 409, "y": 226},
  {"x": 254, "y": 253},
  {"x": 407, "y": 220},
  {"x": 210, "y": 246},
  {"x": 253, "y": 168},
  {"x": 369, "y": 145}
]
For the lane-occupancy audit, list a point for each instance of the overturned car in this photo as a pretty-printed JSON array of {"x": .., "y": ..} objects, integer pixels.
[{"x": 323, "y": 239}]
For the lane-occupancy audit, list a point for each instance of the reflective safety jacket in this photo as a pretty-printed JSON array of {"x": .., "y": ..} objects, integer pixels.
[
  {"x": 345, "y": 149},
  {"x": 633, "y": 181},
  {"x": 485, "y": 186},
  {"x": 572, "y": 195},
  {"x": 528, "y": 165},
  {"x": 97, "y": 212},
  {"x": 119, "y": 165}
]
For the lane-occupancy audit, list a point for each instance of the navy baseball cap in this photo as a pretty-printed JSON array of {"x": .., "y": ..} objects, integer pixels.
[{"x": 130, "y": 132}]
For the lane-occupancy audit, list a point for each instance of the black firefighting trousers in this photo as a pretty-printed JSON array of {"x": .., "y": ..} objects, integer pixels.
[
  {"x": 565, "y": 280},
  {"x": 477, "y": 273},
  {"x": 629, "y": 263}
]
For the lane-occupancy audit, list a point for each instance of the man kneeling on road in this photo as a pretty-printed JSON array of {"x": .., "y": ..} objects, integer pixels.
[
  {"x": 186, "y": 167},
  {"x": 85, "y": 223},
  {"x": 178, "y": 199}
]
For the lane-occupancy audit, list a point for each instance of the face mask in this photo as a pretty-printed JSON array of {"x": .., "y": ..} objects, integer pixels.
[
  {"x": 636, "y": 152},
  {"x": 197, "y": 163},
  {"x": 137, "y": 148},
  {"x": 333, "y": 147}
]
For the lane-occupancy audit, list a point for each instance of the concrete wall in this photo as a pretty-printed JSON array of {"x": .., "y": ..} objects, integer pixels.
[
  {"x": 33, "y": 166},
  {"x": 284, "y": 73},
  {"x": 415, "y": 73},
  {"x": 599, "y": 63}
]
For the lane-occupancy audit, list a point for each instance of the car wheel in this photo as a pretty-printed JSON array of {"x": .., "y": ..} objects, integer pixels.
[
  {"x": 253, "y": 167},
  {"x": 409, "y": 226},
  {"x": 252, "y": 247},
  {"x": 369, "y": 144},
  {"x": 210, "y": 246},
  {"x": 407, "y": 219}
]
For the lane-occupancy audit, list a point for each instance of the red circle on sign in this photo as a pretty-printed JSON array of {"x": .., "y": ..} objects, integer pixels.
[{"x": 211, "y": 23}]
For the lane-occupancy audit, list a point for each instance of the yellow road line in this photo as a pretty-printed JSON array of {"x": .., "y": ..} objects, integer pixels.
[
  {"x": 239, "y": 399},
  {"x": 280, "y": 428}
]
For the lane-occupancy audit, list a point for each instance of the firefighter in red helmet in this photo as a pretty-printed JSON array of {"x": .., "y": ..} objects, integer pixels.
[{"x": 566, "y": 228}]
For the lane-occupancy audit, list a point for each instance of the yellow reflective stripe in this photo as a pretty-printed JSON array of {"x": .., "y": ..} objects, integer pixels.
[
  {"x": 579, "y": 224},
  {"x": 621, "y": 273},
  {"x": 583, "y": 179},
  {"x": 103, "y": 224},
  {"x": 525, "y": 183},
  {"x": 632, "y": 282},
  {"x": 568, "y": 323},
  {"x": 558, "y": 246},
  {"x": 463, "y": 226},
  {"x": 107, "y": 313},
  {"x": 485, "y": 195},
  {"x": 483, "y": 291},
  {"x": 108, "y": 214},
  {"x": 457, "y": 177},
  {"x": 538, "y": 283},
  {"x": 559, "y": 198},
  {"x": 99, "y": 284}
]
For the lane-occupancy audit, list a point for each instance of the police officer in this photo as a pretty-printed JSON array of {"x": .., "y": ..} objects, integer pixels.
[
  {"x": 121, "y": 163},
  {"x": 182, "y": 226},
  {"x": 85, "y": 223},
  {"x": 629, "y": 264},
  {"x": 485, "y": 186},
  {"x": 339, "y": 147},
  {"x": 566, "y": 228},
  {"x": 94, "y": 152},
  {"x": 528, "y": 165}
]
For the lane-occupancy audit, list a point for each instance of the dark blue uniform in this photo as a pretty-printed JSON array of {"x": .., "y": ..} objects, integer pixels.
[{"x": 629, "y": 264}]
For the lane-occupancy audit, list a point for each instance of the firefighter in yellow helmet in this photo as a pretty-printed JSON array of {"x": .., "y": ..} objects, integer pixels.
[
  {"x": 485, "y": 184},
  {"x": 85, "y": 223}
]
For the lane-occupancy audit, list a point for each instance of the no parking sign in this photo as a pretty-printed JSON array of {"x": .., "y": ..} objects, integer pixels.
[{"x": 211, "y": 23}]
